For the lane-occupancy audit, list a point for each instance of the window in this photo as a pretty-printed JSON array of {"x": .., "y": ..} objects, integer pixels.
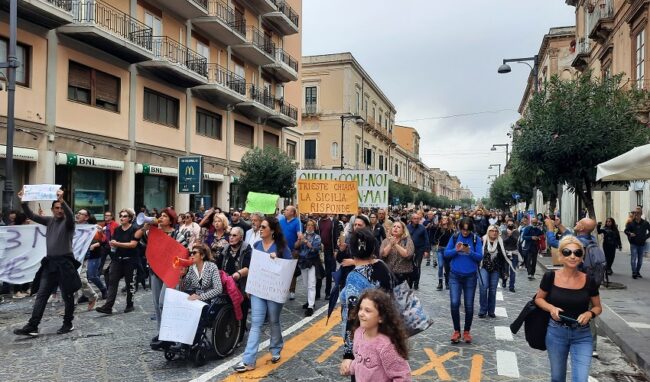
[
  {"x": 154, "y": 22},
  {"x": 358, "y": 109},
  {"x": 335, "y": 150},
  {"x": 291, "y": 149},
  {"x": 160, "y": 108},
  {"x": 396, "y": 169},
  {"x": 310, "y": 99},
  {"x": 381, "y": 162},
  {"x": 244, "y": 134},
  {"x": 93, "y": 87},
  {"x": 271, "y": 140},
  {"x": 368, "y": 157},
  {"x": 639, "y": 198},
  {"x": 203, "y": 49},
  {"x": 640, "y": 58},
  {"x": 310, "y": 149},
  {"x": 357, "y": 151},
  {"x": 23, "y": 53},
  {"x": 208, "y": 124}
]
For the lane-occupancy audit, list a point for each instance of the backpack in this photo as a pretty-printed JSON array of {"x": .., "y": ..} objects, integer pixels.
[
  {"x": 474, "y": 238},
  {"x": 595, "y": 264},
  {"x": 355, "y": 284}
]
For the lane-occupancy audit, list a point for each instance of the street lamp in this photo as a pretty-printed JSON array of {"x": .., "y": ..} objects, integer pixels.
[
  {"x": 505, "y": 68},
  {"x": 492, "y": 166},
  {"x": 357, "y": 119},
  {"x": 490, "y": 176},
  {"x": 11, "y": 65},
  {"x": 506, "y": 145}
]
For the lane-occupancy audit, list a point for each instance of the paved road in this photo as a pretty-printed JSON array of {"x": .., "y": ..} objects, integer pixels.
[{"x": 115, "y": 348}]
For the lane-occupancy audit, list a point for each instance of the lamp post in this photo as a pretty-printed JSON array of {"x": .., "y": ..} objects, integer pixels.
[
  {"x": 343, "y": 118},
  {"x": 506, "y": 145},
  {"x": 495, "y": 164},
  {"x": 534, "y": 69},
  {"x": 11, "y": 65}
]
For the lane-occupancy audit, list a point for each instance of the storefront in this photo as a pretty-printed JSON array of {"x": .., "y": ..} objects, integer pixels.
[
  {"x": 89, "y": 182},
  {"x": 22, "y": 159},
  {"x": 209, "y": 196},
  {"x": 154, "y": 186}
]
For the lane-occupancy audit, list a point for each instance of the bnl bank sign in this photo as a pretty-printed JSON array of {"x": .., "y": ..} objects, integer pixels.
[{"x": 190, "y": 174}]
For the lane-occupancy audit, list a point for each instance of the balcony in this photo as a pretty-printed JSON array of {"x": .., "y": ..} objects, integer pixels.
[
  {"x": 601, "y": 21},
  {"x": 107, "y": 28},
  {"x": 259, "y": 103},
  {"x": 223, "y": 88},
  {"x": 284, "y": 19},
  {"x": 310, "y": 109},
  {"x": 187, "y": 9},
  {"x": 583, "y": 52},
  {"x": 221, "y": 24},
  {"x": 262, "y": 6},
  {"x": 177, "y": 63},
  {"x": 287, "y": 115},
  {"x": 285, "y": 67},
  {"x": 258, "y": 48},
  {"x": 311, "y": 164},
  {"x": 50, "y": 14}
]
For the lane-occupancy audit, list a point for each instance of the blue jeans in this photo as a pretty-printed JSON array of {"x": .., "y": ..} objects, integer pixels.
[
  {"x": 93, "y": 273},
  {"x": 560, "y": 341},
  {"x": 636, "y": 257},
  {"x": 441, "y": 262},
  {"x": 467, "y": 286},
  {"x": 488, "y": 291},
  {"x": 259, "y": 309},
  {"x": 513, "y": 273}
]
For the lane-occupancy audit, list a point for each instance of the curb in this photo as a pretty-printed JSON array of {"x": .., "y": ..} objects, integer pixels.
[{"x": 613, "y": 326}]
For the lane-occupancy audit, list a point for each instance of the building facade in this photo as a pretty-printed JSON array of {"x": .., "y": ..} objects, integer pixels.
[{"x": 111, "y": 92}]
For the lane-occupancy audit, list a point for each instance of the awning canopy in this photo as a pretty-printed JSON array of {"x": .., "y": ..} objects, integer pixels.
[{"x": 632, "y": 165}]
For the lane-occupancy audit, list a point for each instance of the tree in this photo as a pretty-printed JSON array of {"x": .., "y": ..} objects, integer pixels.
[
  {"x": 269, "y": 171},
  {"x": 572, "y": 126}
]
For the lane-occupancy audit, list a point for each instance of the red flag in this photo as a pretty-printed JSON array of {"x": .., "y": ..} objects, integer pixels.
[{"x": 161, "y": 250}]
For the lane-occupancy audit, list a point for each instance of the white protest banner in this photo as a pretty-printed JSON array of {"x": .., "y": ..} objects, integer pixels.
[
  {"x": 40, "y": 192},
  {"x": 372, "y": 185},
  {"x": 23, "y": 246},
  {"x": 269, "y": 278},
  {"x": 180, "y": 317}
]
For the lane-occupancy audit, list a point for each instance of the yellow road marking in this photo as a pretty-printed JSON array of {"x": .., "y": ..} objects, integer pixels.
[
  {"x": 338, "y": 342},
  {"x": 477, "y": 368},
  {"x": 292, "y": 347},
  {"x": 437, "y": 364}
]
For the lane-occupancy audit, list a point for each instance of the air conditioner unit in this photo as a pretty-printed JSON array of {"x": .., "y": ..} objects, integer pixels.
[{"x": 279, "y": 91}]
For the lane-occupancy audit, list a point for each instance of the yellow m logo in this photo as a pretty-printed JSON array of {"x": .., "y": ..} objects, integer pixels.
[{"x": 189, "y": 170}]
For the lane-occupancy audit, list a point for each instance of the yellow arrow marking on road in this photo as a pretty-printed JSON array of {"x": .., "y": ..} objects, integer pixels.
[
  {"x": 477, "y": 368},
  {"x": 338, "y": 342},
  {"x": 292, "y": 347},
  {"x": 436, "y": 363}
]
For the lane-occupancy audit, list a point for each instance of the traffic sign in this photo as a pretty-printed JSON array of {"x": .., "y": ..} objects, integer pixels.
[
  {"x": 190, "y": 174},
  {"x": 516, "y": 196}
]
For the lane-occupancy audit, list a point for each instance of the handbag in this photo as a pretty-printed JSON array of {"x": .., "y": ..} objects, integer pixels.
[
  {"x": 535, "y": 321},
  {"x": 415, "y": 318}
]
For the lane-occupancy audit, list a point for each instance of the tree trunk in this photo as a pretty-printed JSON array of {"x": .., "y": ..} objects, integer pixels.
[
  {"x": 552, "y": 202},
  {"x": 589, "y": 200}
]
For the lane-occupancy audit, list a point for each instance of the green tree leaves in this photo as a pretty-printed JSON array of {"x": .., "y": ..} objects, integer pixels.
[{"x": 270, "y": 171}]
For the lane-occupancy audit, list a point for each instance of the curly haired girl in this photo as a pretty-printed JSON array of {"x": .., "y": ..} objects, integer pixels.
[{"x": 380, "y": 346}]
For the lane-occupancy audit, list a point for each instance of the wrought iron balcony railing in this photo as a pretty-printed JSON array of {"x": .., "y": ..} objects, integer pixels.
[
  {"x": 282, "y": 56},
  {"x": 288, "y": 11},
  {"x": 222, "y": 76},
  {"x": 66, "y": 5},
  {"x": 261, "y": 41},
  {"x": 171, "y": 50},
  {"x": 288, "y": 110},
  {"x": 226, "y": 13},
  {"x": 260, "y": 95}
]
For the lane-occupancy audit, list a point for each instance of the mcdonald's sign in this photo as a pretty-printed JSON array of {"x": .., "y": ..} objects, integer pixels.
[{"x": 190, "y": 174}]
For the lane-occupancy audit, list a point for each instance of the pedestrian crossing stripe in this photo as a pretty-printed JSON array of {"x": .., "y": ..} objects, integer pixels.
[
  {"x": 503, "y": 333},
  {"x": 507, "y": 364}
]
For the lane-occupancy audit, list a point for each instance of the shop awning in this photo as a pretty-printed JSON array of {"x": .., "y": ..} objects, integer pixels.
[
  {"x": 76, "y": 160},
  {"x": 632, "y": 165},
  {"x": 149, "y": 169},
  {"x": 20, "y": 153}
]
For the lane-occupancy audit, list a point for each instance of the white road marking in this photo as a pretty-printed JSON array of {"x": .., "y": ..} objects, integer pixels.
[
  {"x": 639, "y": 325},
  {"x": 499, "y": 295},
  {"x": 503, "y": 333},
  {"x": 592, "y": 379},
  {"x": 227, "y": 365},
  {"x": 500, "y": 312},
  {"x": 507, "y": 364}
]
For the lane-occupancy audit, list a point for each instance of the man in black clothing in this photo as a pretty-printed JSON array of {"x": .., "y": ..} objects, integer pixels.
[
  {"x": 422, "y": 246},
  {"x": 237, "y": 221},
  {"x": 637, "y": 231},
  {"x": 329, "y": 229},
  {"x": 58, "y": 268}
]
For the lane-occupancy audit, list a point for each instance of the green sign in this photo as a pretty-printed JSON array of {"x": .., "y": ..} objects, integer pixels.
[
  {"x": 190, "y": 174},
  {"x": 264, "y": 203},
  {"x": 146, "y": 168}
]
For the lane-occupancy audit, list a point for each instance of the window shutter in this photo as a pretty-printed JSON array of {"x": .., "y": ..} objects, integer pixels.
[
  {"x": 108, "y": 87},
  {"x": 271, "y": 139},
  {"x": 243, "y": 134},
  {"x": 79, "y": 76}
]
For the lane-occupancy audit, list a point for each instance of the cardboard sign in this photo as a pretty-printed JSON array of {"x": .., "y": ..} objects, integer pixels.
[
  {"x": 180, "y": 317},
  {"x": 327, "y": 197},
  {"x": 40, "y": 192},
  {"x": 269, "y": 278},
  {"x": 372, "y": 185},
  {"x": 259, "y": 202}
]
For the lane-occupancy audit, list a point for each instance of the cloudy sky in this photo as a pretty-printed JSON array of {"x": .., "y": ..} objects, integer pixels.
[{"x": 435, "y": 58}]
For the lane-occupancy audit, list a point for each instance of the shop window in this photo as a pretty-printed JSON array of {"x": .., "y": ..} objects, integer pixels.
[
  {"x": 271, "y": 140},
  {"x": 93, "y": 87},
  {"x": 90, "y": 190},
  {"x": 153, "y": 191},
  {"x": 244, "y": 134},
  {"x": 23, "y": 54},
  {"x": 208, "y": 124},
  {"x": 159, "y": 108},
  {"x": 291, "y": 149}
]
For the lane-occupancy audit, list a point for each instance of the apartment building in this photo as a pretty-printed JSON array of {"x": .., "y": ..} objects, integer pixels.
[
  {"x": 447, "y": 185},
  {"x": 407, "y": 157},
  {"x": 346, "y": 118},
  {"x": 111, "y": 92}
]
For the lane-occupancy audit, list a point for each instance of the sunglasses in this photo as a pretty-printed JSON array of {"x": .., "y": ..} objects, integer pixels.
[
  {"x": 566, "y": 252},
  {"x": 124, "y": 216},
  {"x": 196, "y": 252}
]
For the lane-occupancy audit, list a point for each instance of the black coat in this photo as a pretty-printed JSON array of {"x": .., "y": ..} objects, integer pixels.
[{"x": 66, "y": 267}]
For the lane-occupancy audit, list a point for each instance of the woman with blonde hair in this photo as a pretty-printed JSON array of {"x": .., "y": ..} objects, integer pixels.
[
  {"x": 567, "y": 294},
  {"x": 221, "y": 234},
  {"x": 494, "y": 265},
  {"x": 398, "y": 250}
]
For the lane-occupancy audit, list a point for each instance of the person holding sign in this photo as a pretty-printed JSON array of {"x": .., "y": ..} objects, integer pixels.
[
  {"x": 58, "y": 268},
  {"x": 274, "y": 244}
]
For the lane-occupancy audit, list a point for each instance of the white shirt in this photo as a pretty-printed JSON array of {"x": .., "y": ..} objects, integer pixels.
[{"x": 252, "y": 237}]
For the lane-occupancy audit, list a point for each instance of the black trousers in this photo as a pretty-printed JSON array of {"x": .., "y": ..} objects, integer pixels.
[
  {"x": 330, "y": 267},
  {"x": 610, "y": 254},
  {"x": 50, "y": 280},
  {"x": 531, "y": 261},
  {"x": 121, "y": 268},
  {"x": 417, "y": 268}
]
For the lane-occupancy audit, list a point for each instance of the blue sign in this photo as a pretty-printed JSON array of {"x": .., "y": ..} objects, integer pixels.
[
  {"x": 190, "y": 174},
  {"x": 516, "y": 196}
]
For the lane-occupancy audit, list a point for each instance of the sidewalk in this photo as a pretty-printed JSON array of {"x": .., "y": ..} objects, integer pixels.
[{"x": 626, "y": 312}]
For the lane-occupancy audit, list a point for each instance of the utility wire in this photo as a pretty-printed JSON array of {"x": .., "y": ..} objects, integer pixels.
[{"x": 456, "y": 115}]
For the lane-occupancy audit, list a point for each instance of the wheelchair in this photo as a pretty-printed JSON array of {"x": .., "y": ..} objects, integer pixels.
[{"x": 217, "y": 334}]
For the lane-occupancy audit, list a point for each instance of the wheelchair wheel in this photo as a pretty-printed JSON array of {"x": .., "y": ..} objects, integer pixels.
[
  {"x": 225, "y": 331},
  {"x": 198, "y": 357},
  {"x": 169, "y": 355}
]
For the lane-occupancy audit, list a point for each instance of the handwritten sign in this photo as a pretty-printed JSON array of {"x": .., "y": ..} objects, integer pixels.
[
  {"x": 180, "y": 317},
  {"x": 269, "y": 278},
  {"x": 23, "y": 246},
  {"x": 327, "y": 197},
  {"x": 259, "y": 202},
  {"x": 40, "y": 192},
  {"x": 372, "y": 185}
]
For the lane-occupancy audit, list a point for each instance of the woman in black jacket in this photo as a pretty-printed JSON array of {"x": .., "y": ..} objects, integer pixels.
[{"x": 611, "y": 241}]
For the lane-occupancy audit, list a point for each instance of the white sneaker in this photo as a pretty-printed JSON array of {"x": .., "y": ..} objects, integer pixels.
[
  {"x": 292, "y": 296},
  {"x": 594, "y": 354}
]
